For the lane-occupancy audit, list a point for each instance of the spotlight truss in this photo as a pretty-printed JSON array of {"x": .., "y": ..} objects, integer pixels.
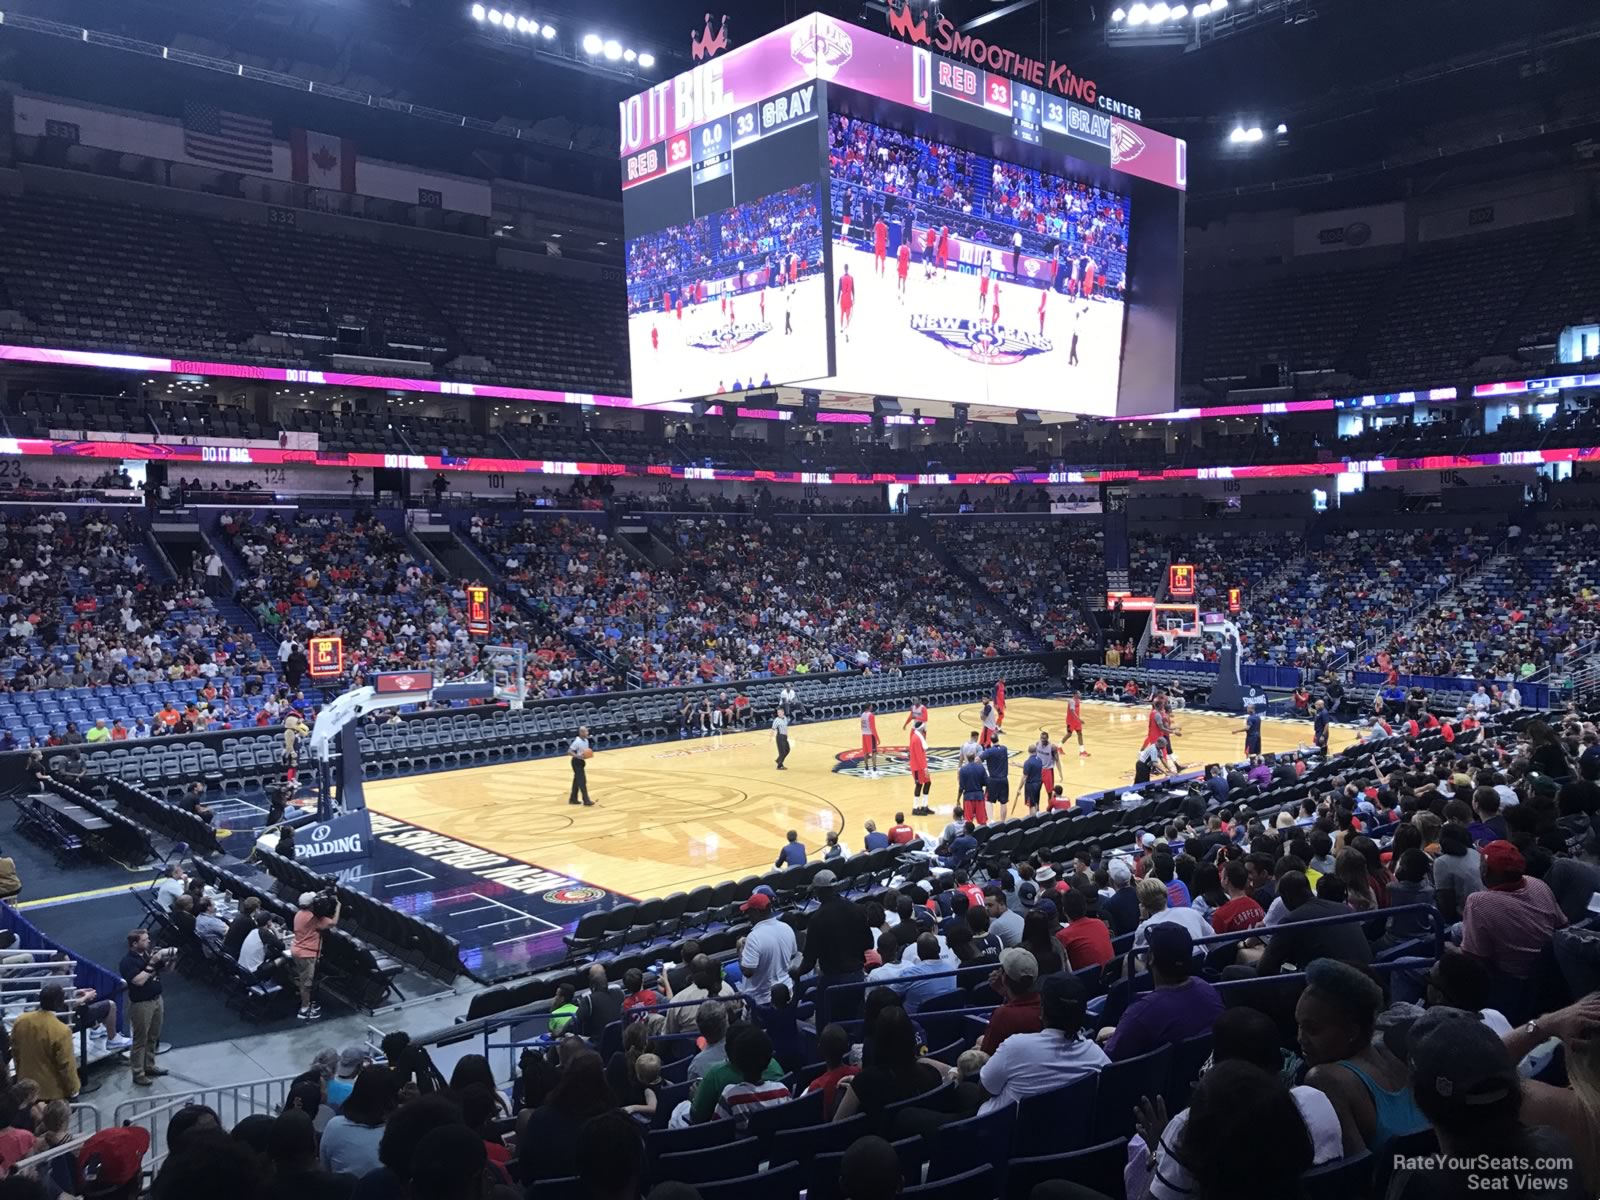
[
  {"x": 1193, "y": 26},
  {"x": 515, "y": 24}
]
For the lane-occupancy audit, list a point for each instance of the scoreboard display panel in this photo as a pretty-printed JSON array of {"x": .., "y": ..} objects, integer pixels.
[
  {"x": 834, "y": 208},
  {"x": 724, "y": 244}
]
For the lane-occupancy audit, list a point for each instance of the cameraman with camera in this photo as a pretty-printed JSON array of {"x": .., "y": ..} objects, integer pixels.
[
  {"x": 141, "y": 968},
  {"x": 318, "y": 911}
]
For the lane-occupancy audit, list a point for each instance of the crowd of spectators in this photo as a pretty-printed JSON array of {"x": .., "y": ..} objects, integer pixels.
[
  {"x": 978, "y": 198},
  {"x": 1046, "y": 574},
  {"x": 761, "y": 233},
  {"x": 314, "y": 573}
]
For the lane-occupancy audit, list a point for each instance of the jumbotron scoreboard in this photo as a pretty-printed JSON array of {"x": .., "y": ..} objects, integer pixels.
[{"x": 913, "y": 213}]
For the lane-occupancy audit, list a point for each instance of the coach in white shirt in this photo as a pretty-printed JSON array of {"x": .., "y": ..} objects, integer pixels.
[
  {"x": 1029, "y": 1064},
  {"x": 769, "y": 950}
]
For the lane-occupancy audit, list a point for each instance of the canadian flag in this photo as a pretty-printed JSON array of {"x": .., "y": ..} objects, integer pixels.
[{"x": 322, "y": 160}]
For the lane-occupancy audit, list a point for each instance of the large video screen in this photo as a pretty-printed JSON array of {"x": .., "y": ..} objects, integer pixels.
[
  {"x": 963, "y": 278},
  {"x": 726, "y": 273},
  {"x": 734, "y": 299}
]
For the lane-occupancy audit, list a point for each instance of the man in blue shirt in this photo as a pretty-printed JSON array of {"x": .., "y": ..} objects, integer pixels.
[
  {"x": 874, "y": 840},
  {"x": 1252, "y": 733},
  {"x": 1032, "y": 780},
  {"x": 973, "y": 782},
  {"x": 962, "y": 848},
  {"x": 793, "y": 853},
  {"x": 912, "y": 982},
  {"x": 997, "y": 763}
]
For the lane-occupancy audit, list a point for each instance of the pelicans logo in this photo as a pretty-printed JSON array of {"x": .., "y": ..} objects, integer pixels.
[
  {"x": 1126, "y": 144},
  {"x": 574, "y": 895},
  {"x": 982, "y": 341},
  {"x": 893, "y": 760},
  {"x": 726, "y": 339},
  {"x": 822, "y": 44}
]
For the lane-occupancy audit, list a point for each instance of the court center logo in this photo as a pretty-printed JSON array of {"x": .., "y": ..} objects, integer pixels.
[
  {"x": 893, "y": 760},
  {"x": 981, "y": 341},
  {"x": 574, "y": 895},
  {"x": 726, "y": 339}
]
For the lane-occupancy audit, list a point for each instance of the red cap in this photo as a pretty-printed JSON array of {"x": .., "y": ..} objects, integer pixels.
[
  {"x": 112, "y": 1158},
  {"x": 758, "y": 901},
  {"x": 1503, "y": 858}
]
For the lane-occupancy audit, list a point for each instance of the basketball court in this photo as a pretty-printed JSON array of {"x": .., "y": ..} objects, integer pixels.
[
  {"x": 673, "y": 815},
  {"x": 704, "y": 353},
  {"x": 940, "y": 341}
]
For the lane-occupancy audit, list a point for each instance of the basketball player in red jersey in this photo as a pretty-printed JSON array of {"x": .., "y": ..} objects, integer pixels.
[
  {"x": 1088, "y": 276},
  {"x": 680, "y": 308},
  {"x": 984, "y": 271},
  {"x": 869, "y": 741},
  {"x": 666, "y": 301},
  {"x": 1000, "y": 703},
  {"x": 930, "y": 249},
  {"x": 994, "y": 311},
  {"x": 902, "y": 267},
  {"x": 1159, "y": 725},
  {"x": 1044, "y": 294},
  {"x": 655, "y": 338},
  {"x": 847, "y": 300},
  {"x": 917, "y": 759},
  {"x": 700, "y": 292},
  {"x": 880, "y": 244},
  {"x": 794, "y": 269},
  {"x": 944, "y": 247},
  {"x": 730, "y": 310},
  {"x": 763, "y": 295},
  {"x": 1075, "y": 721},
  {"x": 724, "y": 303}
]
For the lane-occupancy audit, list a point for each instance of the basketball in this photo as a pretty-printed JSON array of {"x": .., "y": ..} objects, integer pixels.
[{"x": 588, "y": 754}]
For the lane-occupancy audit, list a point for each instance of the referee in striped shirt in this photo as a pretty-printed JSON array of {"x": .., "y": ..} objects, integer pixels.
[{"x": 780, "y": 734}]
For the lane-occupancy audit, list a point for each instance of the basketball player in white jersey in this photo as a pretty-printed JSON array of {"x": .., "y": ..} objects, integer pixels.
[
  {"x": 869, "y": 742},
  {"x": 970, "y": 747}
]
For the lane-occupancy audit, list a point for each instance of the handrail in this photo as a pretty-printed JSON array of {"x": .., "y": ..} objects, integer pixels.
[{"x": 231, "y": 1102}]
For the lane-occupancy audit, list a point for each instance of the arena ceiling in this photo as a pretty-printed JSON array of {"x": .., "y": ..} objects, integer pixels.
[{"x": 1374, "y": 94}]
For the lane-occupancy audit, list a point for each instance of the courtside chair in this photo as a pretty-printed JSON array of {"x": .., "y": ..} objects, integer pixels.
[
  {"x": 1341, "y": 1178},
  {"x": 980, "y": 1183},
  {"x": 978, "y": 1141},
  {"x": 712, "y": 1164},
  {"x": 775, "y": 1183},
  {"x": 1098, "y": 1167},
  {"x": 1061, "y": 1117},
  {"x": 1121, "y": 1086}
]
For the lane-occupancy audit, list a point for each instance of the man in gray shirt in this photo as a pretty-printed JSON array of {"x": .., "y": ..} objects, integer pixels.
[
  {"x": 711, "y": 1019},
  {"x": 1003, "y": 923},
  {"x": 580, "y": 754},
  {"x": 769, "y": 950},
  {"x": 1456, "y": 871}
]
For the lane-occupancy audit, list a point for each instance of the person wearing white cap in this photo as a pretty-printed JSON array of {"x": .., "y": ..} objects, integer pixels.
[{"x": 1121, "y": 908}]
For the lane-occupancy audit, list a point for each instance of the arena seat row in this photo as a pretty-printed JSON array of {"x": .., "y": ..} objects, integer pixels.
[{"x": 355, "y": 974}]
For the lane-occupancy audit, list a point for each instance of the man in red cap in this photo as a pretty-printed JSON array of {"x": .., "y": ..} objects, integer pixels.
[
  {"x": 1514, "y": 918},
  {"x": 768, "y": 950},
  {"x": 110, "y": 1165}
]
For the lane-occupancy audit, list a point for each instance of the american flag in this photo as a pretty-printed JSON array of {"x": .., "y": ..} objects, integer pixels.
[{"x": 226, "y": 139}]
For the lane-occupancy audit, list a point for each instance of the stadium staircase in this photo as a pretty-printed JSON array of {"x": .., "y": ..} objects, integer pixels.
[
  {"x": 463, "y": 558},
  {"x": 917, "y": 522}
]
